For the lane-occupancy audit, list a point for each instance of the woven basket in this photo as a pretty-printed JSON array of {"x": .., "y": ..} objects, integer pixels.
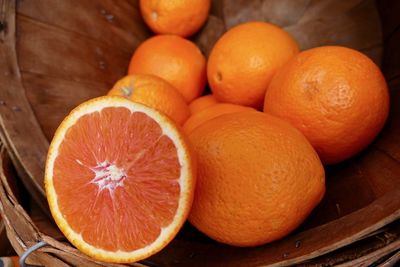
[{"x": 56, "y": 54}]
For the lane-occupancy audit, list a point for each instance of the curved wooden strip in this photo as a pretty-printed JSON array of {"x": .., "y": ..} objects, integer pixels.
[
  {"x": 21, "y": 231},
  {"x": 392, "y": 261},
  {"x": 48, "y": 50},
  {"x": 20, "y": 130},
  {"x": 370, "y": 259},
  {"x": 389, "y": 140}
]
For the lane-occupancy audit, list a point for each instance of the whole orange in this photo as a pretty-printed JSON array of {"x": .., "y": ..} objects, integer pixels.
[
  {"x": 244, "y": 60},
  {"x": 211, "y": 112},
  {"x": 153, "y": 92},
  {"x": 179, "y": 17},
  {"x": 335, "y": 95},
  {"x": 202, "y": 103},
  {"x": 258, "y": 178},
  {"x": 174, "y": 59}
]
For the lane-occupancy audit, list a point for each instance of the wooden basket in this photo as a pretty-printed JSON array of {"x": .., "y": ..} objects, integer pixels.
[{"x": 56, "y": 54}]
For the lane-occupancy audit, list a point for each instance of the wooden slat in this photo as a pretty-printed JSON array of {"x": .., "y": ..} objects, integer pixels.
[
  {"x": 77, "y": 258},
  {"x": 19, "y": 131},
  {"x": 389, "y": 14},
  {"x": 358, "y": 28},
  {"x": 58, "y": 95},
  {"x": 392, "y": 261},
  {"x": 389, "y": 139},
  {"x": 372, "y": 258},
  {"x": 371, "y": 174},
  {"x": 115, "y": 23},
  {"x": 43, "y": 223},
  {"x": 47, "y": 50},
  {"x": 391, "y": 60},
  {"x": 353, "y": 23},
  {"x": 374, "y": 52},
  {"x": 366, "y": 252}
]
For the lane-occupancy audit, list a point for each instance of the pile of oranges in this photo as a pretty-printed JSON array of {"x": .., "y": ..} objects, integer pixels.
[{"x": 274, "y": 118}]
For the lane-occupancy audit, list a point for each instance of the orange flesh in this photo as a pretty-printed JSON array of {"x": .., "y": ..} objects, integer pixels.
[{"x": 117, "y": 179}]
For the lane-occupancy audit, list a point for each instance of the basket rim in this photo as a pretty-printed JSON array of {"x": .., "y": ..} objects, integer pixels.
[{"x": 19, "y": 129}]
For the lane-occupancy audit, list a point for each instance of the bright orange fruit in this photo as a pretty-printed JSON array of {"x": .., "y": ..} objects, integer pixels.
[
  {"x": 176, "y": 60},
  {"x": 244, "y": 60},
  {"x": 258, "y": 178},
  {"x": 336, "y": 96},
  {"x": 119, "y": 179},
  {"x": 179, "y": 17},
  {"x": 214, "y": 111},
  {"x": 153, "y": 92},
  {"x": 202, "y": 103}
]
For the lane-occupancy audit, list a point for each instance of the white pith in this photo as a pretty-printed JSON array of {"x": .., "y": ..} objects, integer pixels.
[{"x": 108, "y": 176}]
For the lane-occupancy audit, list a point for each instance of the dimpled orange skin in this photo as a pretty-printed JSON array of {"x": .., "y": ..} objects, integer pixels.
[
  {"x": 179, "y": 17},
  {"x": 153, "y": 92},
  {"x": 202, "y": 103},
  {"x": 176, "y": 60},
  {"x": 258, "y": 178},
  {"x": 211, "y": 112},
  {"x": 244, "y": 60},
  {"x": 336, "y": 96}
]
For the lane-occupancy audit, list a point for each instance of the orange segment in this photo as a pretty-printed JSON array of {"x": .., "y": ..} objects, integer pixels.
[{"x": 119, "y": 179}]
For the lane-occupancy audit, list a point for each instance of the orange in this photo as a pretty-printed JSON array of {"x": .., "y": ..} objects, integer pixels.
[
  {"x": 176, "y": 60},
  {"x": 244, "y": 60},
  {"x": 214, "y": 111},
  {"x": 258, "y": 178},
  {"x": 202, "y": 103},
  {"x": 179, "y": 17},
  {"x": 119, "y": 179},
  {"x": 153, "y": 92},
  {"x": 335, "y": 95}
]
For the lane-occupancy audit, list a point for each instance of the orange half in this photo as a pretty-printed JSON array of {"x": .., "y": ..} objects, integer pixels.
[{"x": 119, "y": 179}]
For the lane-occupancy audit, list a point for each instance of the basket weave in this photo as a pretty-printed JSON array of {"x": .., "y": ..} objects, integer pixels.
[{"x": 57, "y": 54}]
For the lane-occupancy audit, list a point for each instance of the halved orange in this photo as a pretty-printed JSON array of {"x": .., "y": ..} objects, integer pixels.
[{"x": 119, "y": 179}]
